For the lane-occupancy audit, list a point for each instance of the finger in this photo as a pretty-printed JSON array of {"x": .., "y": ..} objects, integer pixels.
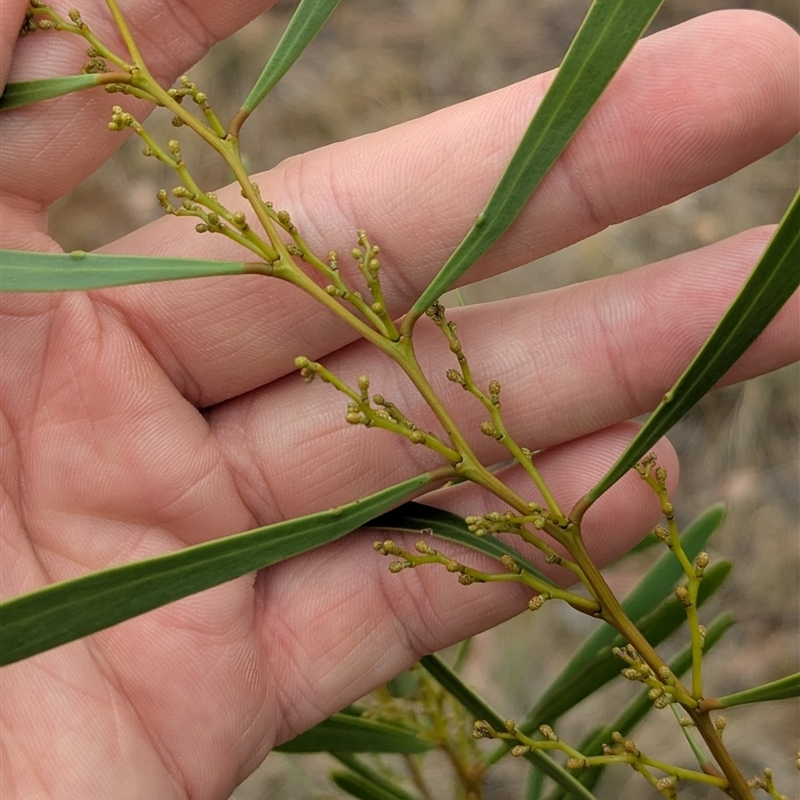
[
  {"x": 570, "y": 362},
  {"x": 335, "y": 623},
  {"x": 692, "y": 105},
  {"x": 172, "y": 37}
]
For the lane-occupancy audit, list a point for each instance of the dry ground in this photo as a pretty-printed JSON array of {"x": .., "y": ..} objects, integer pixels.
[{"x": 380, "y": 62}]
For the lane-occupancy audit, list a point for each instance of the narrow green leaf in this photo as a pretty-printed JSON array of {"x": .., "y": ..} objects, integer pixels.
[
  {"x": 304, "y": 25},
  {"x": 607, "y": 35},
  {"x": 26, "y": 92},
  {"x": 369, "y": 775},
  {"x": 655, "y": 586},
  {"x": 773, "y": 281},
  {"x": 358, "y": 786},
  {"x": 482, "y": 711},
  {"x": 414, "y": 517},
  {"x": 782, "y": 689},
  {"x": 534, "y": 786},
  {"x": 23, "y": 271},
  {"x": 63, "y": 612},
  {"x": 347, "y": 733},
  {"x": 638, "y": 708}
]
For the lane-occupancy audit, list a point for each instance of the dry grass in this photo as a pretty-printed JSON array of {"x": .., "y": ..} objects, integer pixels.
[{"x": 384, "y": 61}]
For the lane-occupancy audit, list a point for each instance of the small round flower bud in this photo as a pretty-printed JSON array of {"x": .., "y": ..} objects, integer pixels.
[
  {"x": 398, "y": 566},
  {"x": 466, "y": 580},
  {"x": 573, "y": 763},
  {"x": 701, "y": 562},
  {"x": 664, "y": 784},
  {"x": 668, "y": 510},
  {"x": 417, "y": 437},
  {"x": 481, "y": 730},
  {"x": 174, "y": 147},
  {"x": 520, "y": 750},
  {"x": 547, "y": 732},
  {"x": 720, "y": 722},
  {"x": 378, "y": 399},
  {"x": 682, "y": 593},
  {"x": 665, "y": 674},
  {"x": 661, "y": 702},
  {"x": 363, "y": 383},
  {"x": 454, "y": 376},
  {"x": 535, "y": 603},
  {"x": 508, "y": 562},
  {"x": 240, "y": 220}
]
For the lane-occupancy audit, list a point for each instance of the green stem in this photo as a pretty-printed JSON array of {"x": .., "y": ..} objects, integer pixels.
[
  {"x": 691, "y": 607},
  {"x": 470, "y": 466},
  {"x": 711, "y": 737},
  {"x": 612, "y": 612},
  {"x": 125, "y": 32},
  {"x": 417, "y": 778}
]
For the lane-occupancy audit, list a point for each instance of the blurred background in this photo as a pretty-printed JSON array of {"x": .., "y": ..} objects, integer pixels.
[{"x": 380, "y": 62}]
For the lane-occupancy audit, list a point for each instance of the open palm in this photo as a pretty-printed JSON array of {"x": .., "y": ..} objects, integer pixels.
[{"x": 139, "y": 420}]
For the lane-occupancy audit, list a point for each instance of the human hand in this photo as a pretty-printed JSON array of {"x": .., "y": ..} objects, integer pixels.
[{"x": 140, "y": 420}]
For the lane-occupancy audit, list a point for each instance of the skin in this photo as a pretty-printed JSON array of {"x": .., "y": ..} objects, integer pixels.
[{"x": 140, "y": 420}]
